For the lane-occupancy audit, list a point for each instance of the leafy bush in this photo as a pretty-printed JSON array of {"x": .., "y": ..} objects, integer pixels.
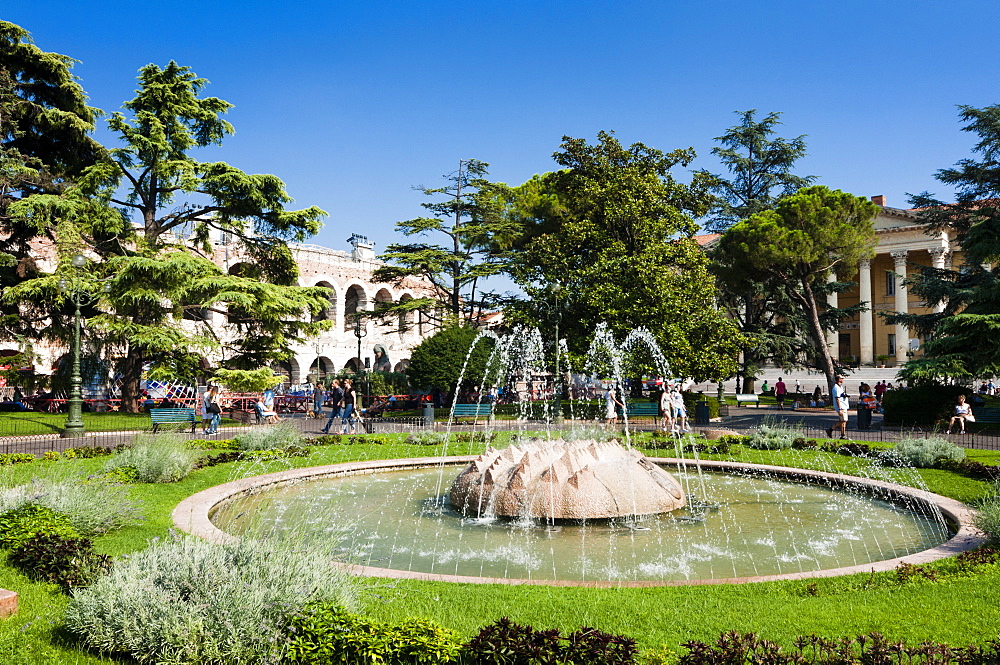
[
  {"x": 735, "y": 648},
  {"x": 209, "y": 444},
  {"x": 93, "y": 506},
  {"x": 69, "y": 562},
  {"x": 10, "y": 459},
  {"x": 771, "y": 437},
  {"x": 847, "y": 449},
  {"x": 988, "y": 515},
  {"x": 921, "y": 405},
  {"x": 50, "y": 456},
  {"x": 971, "y": 468},
  {"x": 190, "y": 601},
  {"x": 156, "y": 459},
  {"x": 326, "y": 633},
  {"x": 924, "y": 453},
  {"x": 508, "y": 643},
  {"x": 427, "y": 438},
  {"x": 800, "y": 443},
  {"x": 268, "y": 438},
  {"x": 29, "y": 520},
  {"x": 325, "y": 440},
  {"x": 476, "y": 437},
  {"x": 438, "y": 360}
]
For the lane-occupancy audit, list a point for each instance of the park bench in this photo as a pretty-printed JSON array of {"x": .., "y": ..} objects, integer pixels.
[
  {"x": 165, "y": 416},
  {"x": 987, "y": 414},
  {"x": 473, "y": 411},
  {"x": 748, "y": 398},
  {"x": 642, "y": 409}
]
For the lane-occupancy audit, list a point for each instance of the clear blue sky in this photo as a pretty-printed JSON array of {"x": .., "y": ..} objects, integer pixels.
[{"x": 353, "y": 103}]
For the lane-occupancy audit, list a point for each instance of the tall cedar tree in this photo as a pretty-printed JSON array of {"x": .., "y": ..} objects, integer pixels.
[
  {"x": 615, "y": 231},
  {"x": 153, "y": 242},
  {"x": 468, "y": 218},
  {"x": 760, "y": 175},
  {"x": 959, "y": 342},
  {"x": 45, "y": 124},
  {"x": 807, "y": 236}
]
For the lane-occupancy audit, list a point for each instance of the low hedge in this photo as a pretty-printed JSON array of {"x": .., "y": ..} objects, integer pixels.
[{"x": 922, "y": 405}]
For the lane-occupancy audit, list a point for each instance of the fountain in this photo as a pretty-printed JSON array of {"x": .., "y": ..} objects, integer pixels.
[
  {"x": 574, "y": 508},
  {"x": 574, "y": 480}
]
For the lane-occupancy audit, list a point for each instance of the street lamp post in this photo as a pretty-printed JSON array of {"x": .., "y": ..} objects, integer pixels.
[
  {"x": 360, "y": 331},
  {"x": 79, "y": 296}
]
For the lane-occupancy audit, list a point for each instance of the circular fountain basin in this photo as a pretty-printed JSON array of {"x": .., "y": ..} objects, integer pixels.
[{"x": 771, "y": 523}]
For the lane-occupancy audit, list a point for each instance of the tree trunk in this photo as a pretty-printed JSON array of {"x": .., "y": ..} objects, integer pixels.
[
  {"x": 131, "y": 380},
  {"x": 819, "y": 336}
]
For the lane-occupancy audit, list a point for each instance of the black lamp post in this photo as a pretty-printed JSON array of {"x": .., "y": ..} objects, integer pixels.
[
  {"x": 79, "y": 295},
  {"x": 360, "y": 331}
]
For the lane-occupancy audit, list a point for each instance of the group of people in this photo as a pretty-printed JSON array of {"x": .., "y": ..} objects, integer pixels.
[
  {"x": 344, "y": 399},
  {"x": 672, "y": 409}
]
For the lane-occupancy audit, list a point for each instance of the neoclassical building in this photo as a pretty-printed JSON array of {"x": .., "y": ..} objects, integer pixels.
[
  {"x": 346, "y": 345},
  {"x": 903, "y": 246}
]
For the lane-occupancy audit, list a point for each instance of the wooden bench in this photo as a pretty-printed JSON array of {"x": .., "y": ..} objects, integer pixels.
[
  {"x": 642, "y": 409},
  {"x": 985, "y": 414},
  {"x": 473, "y": 411},
  {"x": 755, "y": 399},
  {"x": 164, "y": 416}
]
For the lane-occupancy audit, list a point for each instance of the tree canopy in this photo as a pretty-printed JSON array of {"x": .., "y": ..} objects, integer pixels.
[
  {"x": 467, "y": 220},
  {"x": 800, "y": 242},
  {"x": 148, "y": 214},
  {"x": 437, "y": 361},
  {"x": 957, "y": 340},
  {"x": 615, "y": 231}
]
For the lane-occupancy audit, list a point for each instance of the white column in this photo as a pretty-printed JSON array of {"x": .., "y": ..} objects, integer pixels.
[
  {"x": 833, "y": 336},
  {"x": 902, "y": 306},
  {"x": 937, "y": 261},
  {"x": 867, "y": 327}
]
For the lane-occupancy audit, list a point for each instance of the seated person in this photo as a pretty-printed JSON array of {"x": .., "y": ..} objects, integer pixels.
[
  {"x": 266, "y": 407},
  {"x": 963, "y": 412}
]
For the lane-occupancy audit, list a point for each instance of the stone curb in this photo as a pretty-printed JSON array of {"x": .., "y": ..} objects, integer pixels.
[
  {"x": 192, "y": 515},
  {"x": 8, "y": 603}
]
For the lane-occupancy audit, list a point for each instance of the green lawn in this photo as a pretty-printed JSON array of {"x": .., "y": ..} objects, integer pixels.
[
  {"x": 960, "y": 608},
  {"x": 31, "y": 423}
]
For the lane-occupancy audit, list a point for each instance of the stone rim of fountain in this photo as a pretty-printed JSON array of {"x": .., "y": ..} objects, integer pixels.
[{"x": 193, "y": 516}]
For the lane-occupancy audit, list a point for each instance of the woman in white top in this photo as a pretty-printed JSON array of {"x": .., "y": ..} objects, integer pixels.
[
  {"x": 611, "y": 405},
  {"x": 963, "y": 412}
]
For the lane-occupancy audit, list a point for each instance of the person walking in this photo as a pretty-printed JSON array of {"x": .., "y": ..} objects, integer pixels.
[
  {"x": 680, "y": 410},
  {"x": 867, "y": 406},
  {"x": 611, "y": 405},
  {"x": 336, "y": 404},
  {"x": 667, "y": 410},
  {"x": 779, "y": 393},
  {"x": 842, "y": 404},
  {"x": 205, "y": 415},
  {"x": 319, "y": 396},
  {"x": 350, "y": 403},
  {"x": 213, "y": 409}
]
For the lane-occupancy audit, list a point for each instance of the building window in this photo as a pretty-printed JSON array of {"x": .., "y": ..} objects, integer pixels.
[
  {"x": 892, "y": 344},
  {"x": 890, "y": 283}
]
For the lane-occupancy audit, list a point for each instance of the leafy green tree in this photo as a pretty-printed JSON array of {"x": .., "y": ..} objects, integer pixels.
[
  {"x": 438, "y": 360},
  {"x": 468, "y": 219},
  {"x": 958, "y": 342},
  {"x": 798, "y": 243},
  {"x": 760, "y": 175},
  {"x": 614, "y": 231},
  {"x": 153, "y": 212},
  {"x": 760, "y": 169},
  {"x": 45, "y": 142}
]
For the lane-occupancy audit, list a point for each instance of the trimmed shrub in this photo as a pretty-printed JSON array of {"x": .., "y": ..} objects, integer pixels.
[
  {"x": 69, "y": 562},
  {"x": 10, "y": 459},
  {"x": 93, "y": 506},
  {"x": 771, "y": 437},
  {"x": 208, "y": 444},
  {"x": 427, "y": 438},
  {"x": 924, "y": 453},
  {"x": 268, "y": 438},
  {"x": 326, "y": 633},
  {"x": 25, "y": 522},
  {"x": 988, "y": 515},
  {"x": 190, "y": 601},
  {"x": 508, "y": 643},
  {"x": 922, "y": 405},
  {"x": 156, "y": 459}
]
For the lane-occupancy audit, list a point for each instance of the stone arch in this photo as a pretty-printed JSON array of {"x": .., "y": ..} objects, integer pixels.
[
  {"x": 402, "y": 366},
  {"x": 330, "y": 313},
  {"x": 405, "y": 322},
  {"x": 288, "y": 369},
  {"x": 353, "y": 365},
  {"x": 324, "y": 366},
  {"x": 355, "y": 300}
]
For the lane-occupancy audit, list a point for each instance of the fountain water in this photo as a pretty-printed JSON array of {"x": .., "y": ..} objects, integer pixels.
[{"x": 564, "y": 506}]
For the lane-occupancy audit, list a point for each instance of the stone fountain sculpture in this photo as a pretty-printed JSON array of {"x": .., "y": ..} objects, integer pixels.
[{"x": 565, "y": 480}]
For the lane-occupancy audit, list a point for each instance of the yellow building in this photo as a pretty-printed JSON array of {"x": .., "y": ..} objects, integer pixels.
[{"x": 904, "y": 246}]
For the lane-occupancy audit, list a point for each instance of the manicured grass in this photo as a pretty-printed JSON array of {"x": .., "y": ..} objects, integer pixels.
[
  {"x": 32, "y": 423},
  {"x": 961, "y": 608}
]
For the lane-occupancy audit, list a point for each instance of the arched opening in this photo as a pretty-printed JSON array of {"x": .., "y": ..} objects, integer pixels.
[
  {"x": 401, "y": 366},
  {"x": 330, "y": 313},
  {"x": 355, "y": 300},
  {"x": 405, "y": 318},
  {"x": 320, "y": 368},
  {"x": 289, "y": 371},
  {"x": 353, "y": 365}
]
